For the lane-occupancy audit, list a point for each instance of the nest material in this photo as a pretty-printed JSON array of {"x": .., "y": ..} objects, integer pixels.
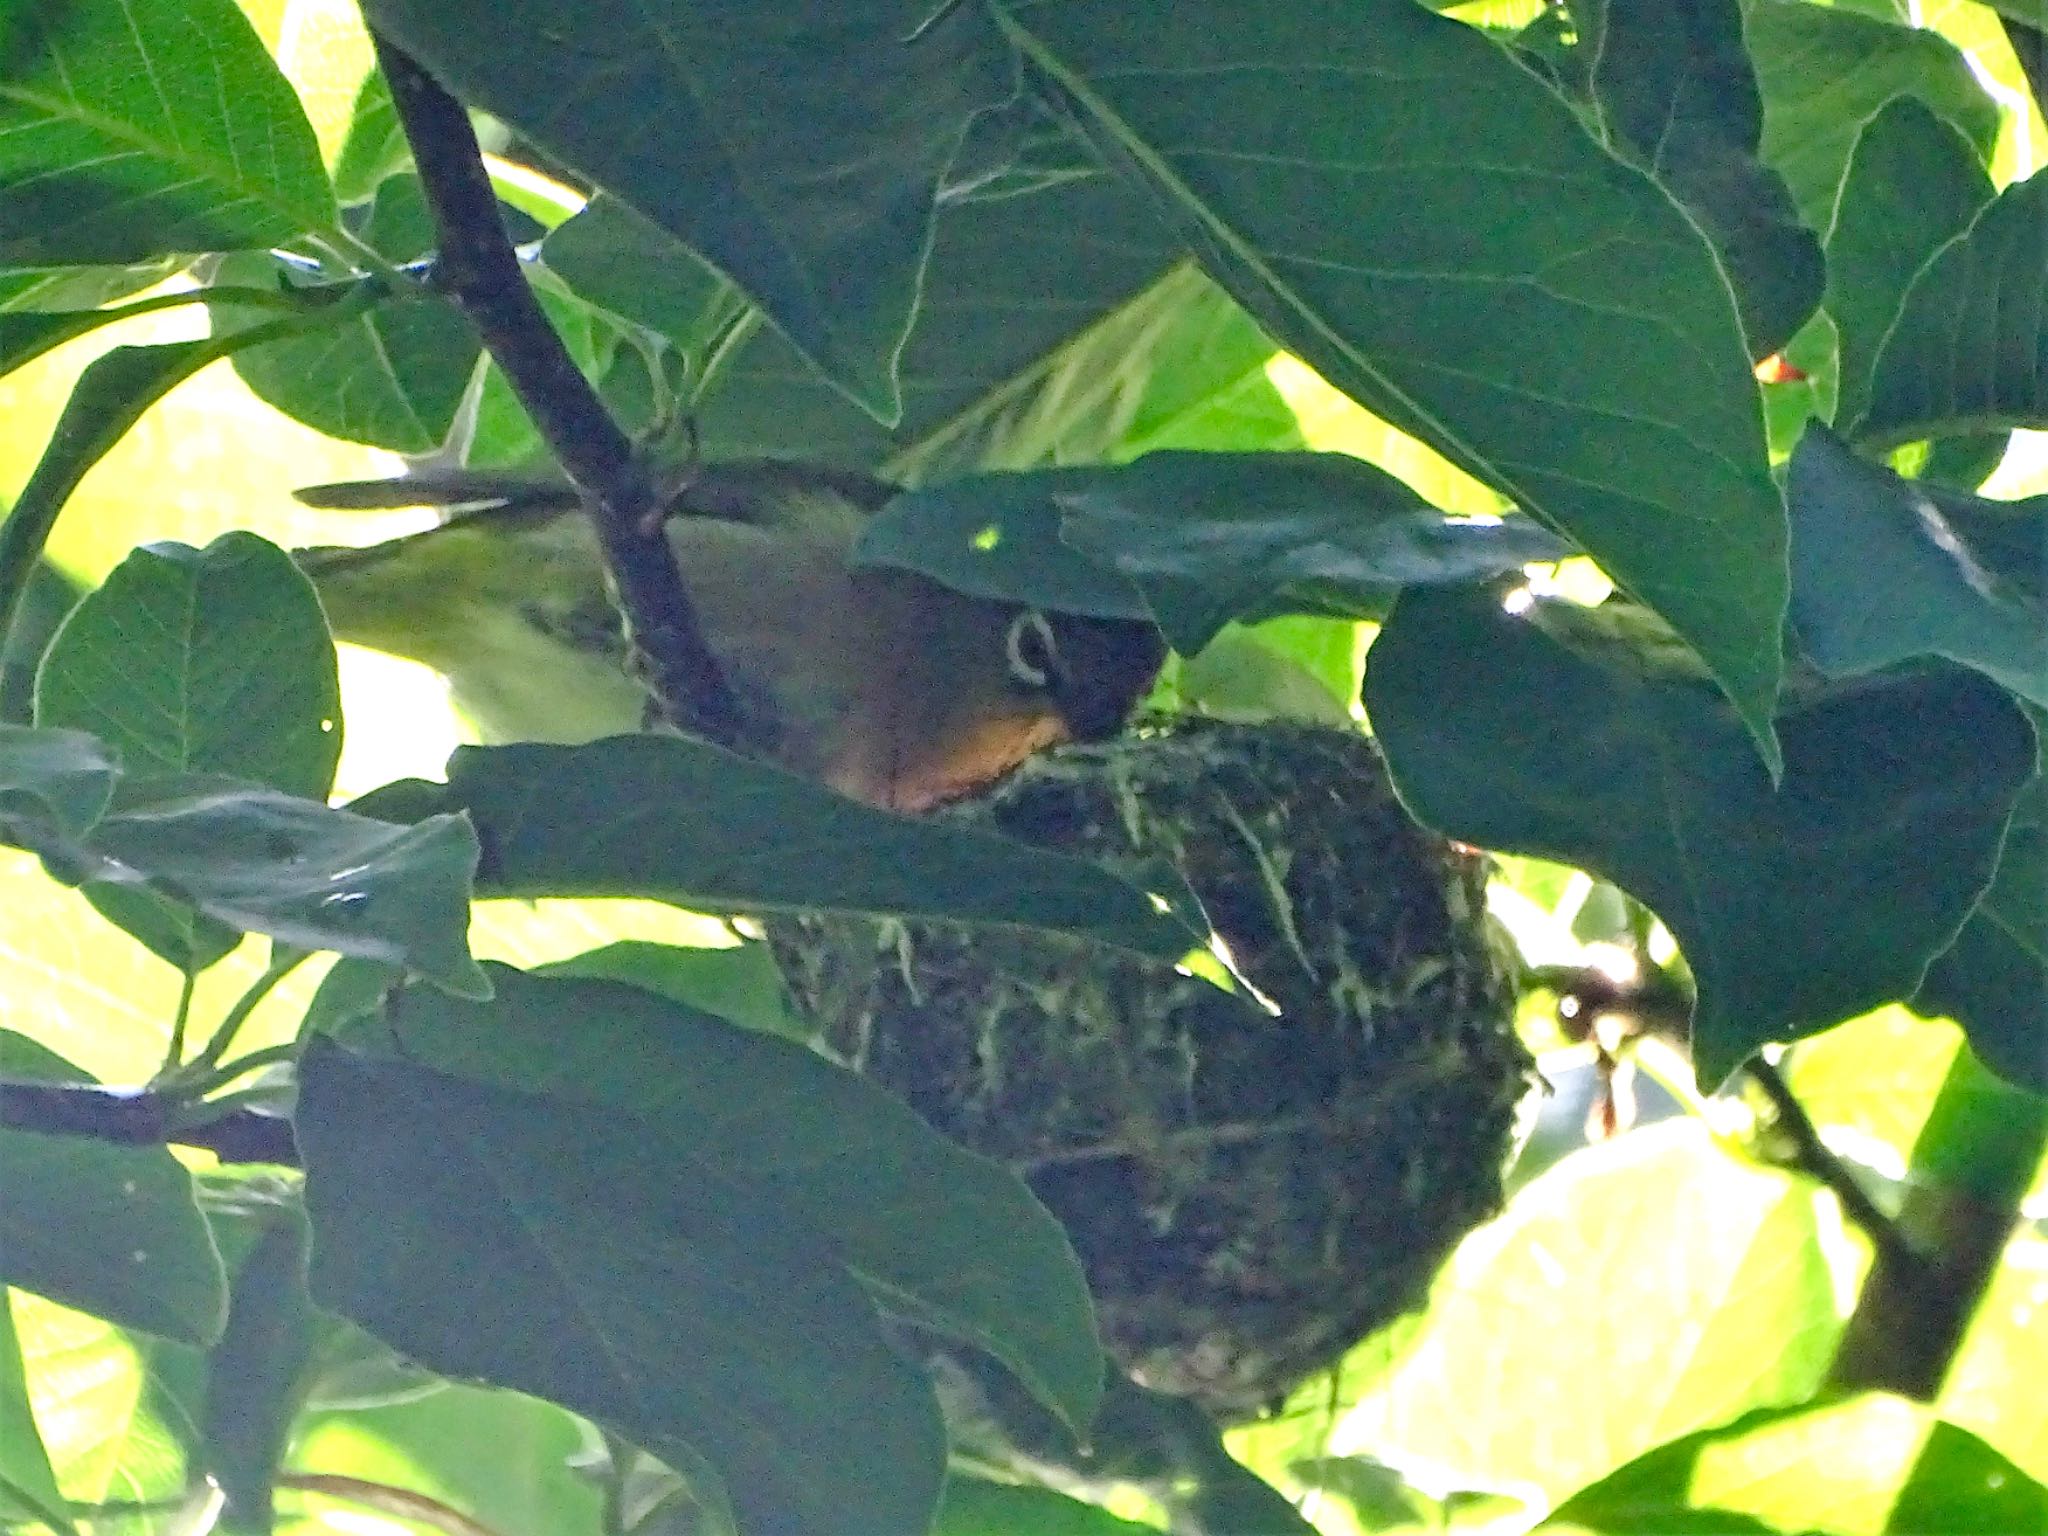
[{"x": 1250, "y": 1194}]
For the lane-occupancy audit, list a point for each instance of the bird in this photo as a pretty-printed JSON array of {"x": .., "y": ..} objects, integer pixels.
[{"x": 879, "y": 682}]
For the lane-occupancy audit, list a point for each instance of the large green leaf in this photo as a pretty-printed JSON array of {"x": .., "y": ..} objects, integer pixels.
[
  {"x": 392, "y": 374},
  {"x": 1884, "y": 569},
  {"x": 202, "y": 661},
  {"x": 696, "y": 1316},
  {"x": 682, "y": 821},
  {"x": 1826, "y": 71},
  {"x": 742, "y": 984},
  {"x": 628, "y": 264},
  {"x": 1675, "y": 87},
  {"x": 60, "y": 779},
  {"x": 936, "y": 1231},
  {"x": 113, "y": 1230},
  {"x": 1720, "y": 1254},
  {"x": 1873, "y": 1465},
  {"x": 28, "y": 1485},
  {"x": 1796, "y": 906},
  {"x": 1969, "y": 349},
  {"x": 139, "y": 128},
  {"x": 1478, "y": 298},
  {"x": 798, "y": 144},
  {"x": 1913, "y": 184},
  {"x": 300, "y": 871},
  {"x": 973, "y": 1506}
]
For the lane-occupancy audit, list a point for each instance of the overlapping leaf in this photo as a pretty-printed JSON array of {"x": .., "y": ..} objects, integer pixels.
[
  {"x": 1477, "y": 297},
  {"x": 694, "y": 1315},
  {"x": 1796, "y": 906},
  {"x": 131, "y": 129},
  {"x": 799, "y": 145}
]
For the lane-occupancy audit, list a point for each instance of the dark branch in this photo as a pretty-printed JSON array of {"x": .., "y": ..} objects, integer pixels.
[
  {"x": 1811, "y": 1156},
  {"x": 137, "y": 1117},
  {"x": 477, "y": 268}
]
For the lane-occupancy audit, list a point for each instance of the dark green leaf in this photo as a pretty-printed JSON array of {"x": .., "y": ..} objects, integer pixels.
[
  {"x": 974, "y": 1507},
  {"x": 1674, "y": 85},
  {"x": 202, "y": 661},
  {"x": 799, "y": 144},
  {"x": 1210, "y": 537},
  {"x": 1913, "y": 184},
  {"x": 1807, "y": 1469},
  {"x": 695, "y": 1316},
  {"x": 63, "y": 778},
  {"x": 1053, "y": 327},
  {"x": 741, "y": 985},
  {"x": 1994, "y": 979},
  {"x": 999, "y": 536},
  {"x": 1481, "y": 298},
  {"x": 27, "y": 1482},
  {"x": 681, "y": 821},
  {"x": 1969, "y": 350},
  {"x": 1796, "y": 907},
  {"x": 623, "y": 262},
  {"x": 392, "y": 375},
  {"x": 139, "y": 128},
  {"x": 257, "y": 1375},
  {"x": 937, "y": 1232},
  {"x": 1826, "y": 71},
  {"x": 112, "y": 1230},
  {"x": 1885, "y": 569},
  {"x": 300, "y": 871}
]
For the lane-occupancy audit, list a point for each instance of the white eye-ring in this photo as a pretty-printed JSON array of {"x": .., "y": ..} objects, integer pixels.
[{"x": 1033, "y": 654}]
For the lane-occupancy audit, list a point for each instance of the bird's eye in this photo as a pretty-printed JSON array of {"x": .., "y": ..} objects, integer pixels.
[{"x": 1034, "y": 656}]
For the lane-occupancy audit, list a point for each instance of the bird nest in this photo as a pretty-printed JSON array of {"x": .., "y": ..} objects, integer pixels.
[{"x": 1250, "y": 1193}]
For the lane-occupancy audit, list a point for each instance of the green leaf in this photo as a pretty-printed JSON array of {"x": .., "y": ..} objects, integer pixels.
[
  {"x": 604, "y": 820},
  {"x": 693, "y": 1315},
  {"x": 973, "y": 1506},
  {"x": 1873, "y": 1465},
  {"x": 1479, "y": 300},
  {"x": 937, "y": 1232},
  {"x": 202, "y": 661},
  {"x": 1057, "y": 326},
  {"x": 799, "y": 144},
  {"x": 1994, "y": 979},
  {"x": 257, "y": 1375},
  {"x": 741, "y": 985},
  {"x": 1210, "y": 537},
  {"x": 375, "y": 146},
  {"x": 392, "y": 375},
  {"x": 109, "y": 398},
  {"x": 1796, "y": 907},
  {"x": 1885, "y": 569},
  {"x": 1967, "y": 351},
  {"x": 1825, "y": 71},
  {"x": 26, "y": 1479},
  {"x": 63, "y": 778},
  {"x": 1913, "y": 184},
  {"x": 139, "y": 128},
  {"x": 112, "y": 1230},
  {"x": 621, "y": 261},
  {"x": 302, "y": 872},
  {"x": 1675, "y": 86},
  {"x": 1720, "y": 1253}
]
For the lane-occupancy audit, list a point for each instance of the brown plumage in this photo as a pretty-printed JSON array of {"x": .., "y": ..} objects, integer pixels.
[{"x": 879, "y": 682}]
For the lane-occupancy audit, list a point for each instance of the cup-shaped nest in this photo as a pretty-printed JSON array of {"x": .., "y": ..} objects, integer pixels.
[{"x": 1250, "y": 1192}]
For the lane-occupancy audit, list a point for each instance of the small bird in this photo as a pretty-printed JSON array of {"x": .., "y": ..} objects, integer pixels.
[{"x": 884, "y": 684}]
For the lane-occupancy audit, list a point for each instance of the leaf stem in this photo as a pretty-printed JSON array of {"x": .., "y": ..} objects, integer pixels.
[
  {"x": 387, "y": 1499},
  {"x": 209, "y": 1057},
  {"x": 479, "y": 270},
  {"x": 174, "y": 1049}
]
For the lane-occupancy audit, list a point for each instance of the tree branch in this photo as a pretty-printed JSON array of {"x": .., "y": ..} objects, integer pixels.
[
  {"x": 1811, "y": 1156},
  {"x": 139, "y": 1117},
  {"x": 476, "y": 267}
]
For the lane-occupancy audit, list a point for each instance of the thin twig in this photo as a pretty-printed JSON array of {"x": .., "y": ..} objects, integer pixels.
[
  {"x": 1811, "y": 1155},
  {"x": 389, "y": 1500},
  {"x": 477, "y": 268}
]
